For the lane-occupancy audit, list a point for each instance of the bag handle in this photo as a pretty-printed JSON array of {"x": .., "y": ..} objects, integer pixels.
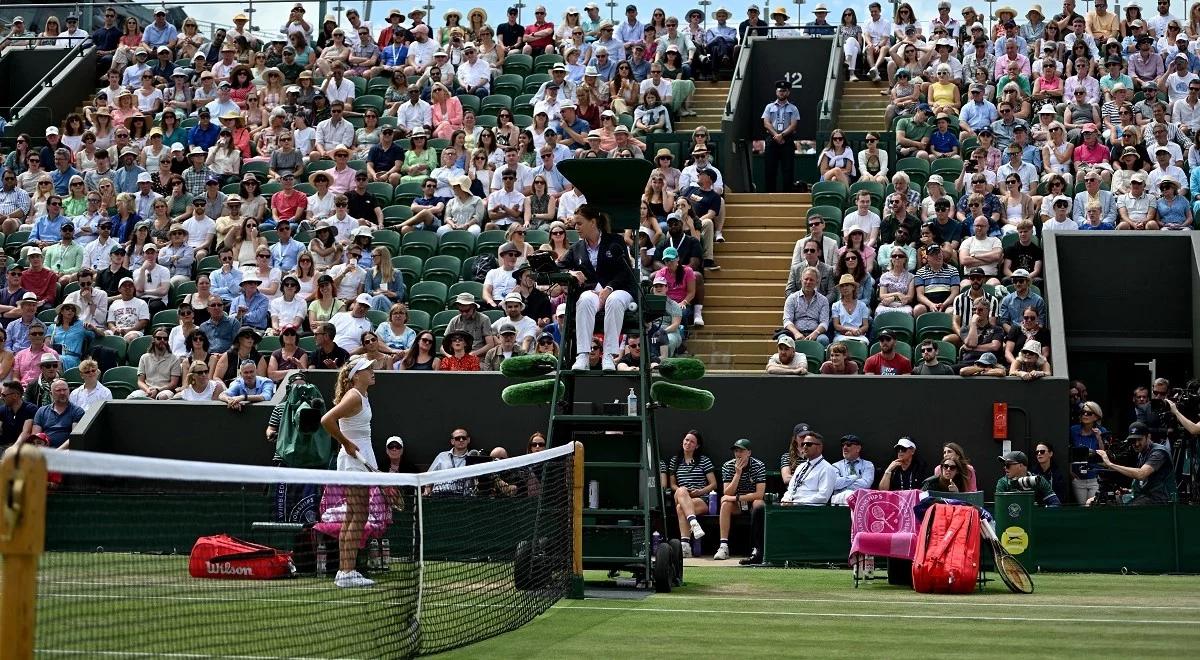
[{"x": 943, "y": 545}]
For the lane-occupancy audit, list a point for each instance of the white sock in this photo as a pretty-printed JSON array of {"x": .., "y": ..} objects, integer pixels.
[{"x": 698, "y": 309}]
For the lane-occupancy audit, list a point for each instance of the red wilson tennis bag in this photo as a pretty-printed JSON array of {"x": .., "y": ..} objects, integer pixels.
[
  {"x": 223, "y": 557},
  {"x": 947, "y": 559}
]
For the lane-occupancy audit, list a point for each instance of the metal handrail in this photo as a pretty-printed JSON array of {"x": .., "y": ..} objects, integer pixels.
[{"x": 77, "y": 51}]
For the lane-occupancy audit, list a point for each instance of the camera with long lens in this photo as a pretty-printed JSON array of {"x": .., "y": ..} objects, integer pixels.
[
  {"x": 1111, "y": 483},
  {"x": 1024, "y": 484}
]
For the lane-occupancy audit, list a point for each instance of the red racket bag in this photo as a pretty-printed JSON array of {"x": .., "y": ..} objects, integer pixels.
[
  {"x": 947, "y": 559},
  {"x": 223, "y": 557}
]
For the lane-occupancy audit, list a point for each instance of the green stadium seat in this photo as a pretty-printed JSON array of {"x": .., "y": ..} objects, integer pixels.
[
  {"x": 306, "y": 188},
  {"x": 418, "y": 319},
  {"x": 441, "y": 320},
  {"x": 73, "y": 377},
  {"x": 137, "y": 348},
  {"x": 208, "y": 264},
  {"x": 410, "y": 267},
  {"x": 269, "y": 344},
  {"x": 948, "y": 168},
  {"x": 47, "y": 315},
  {"x": 376, "y": 316},
  {"x": 405, "y": 193},
  {"x": 361, "y": 166},
  {"x": 855, "y": 350},
  {"x": 472, "y": 287},
  {"x": 270, "y": 236},
  {"x": 523, "y": 116},
  {"x": 900, "y": 323},
  {"x": 536, "y": 237},
  {"x": 485, "y": 121},
  {"x": 489, "y": 241},
  {"x": 1010, "y": 239},
  {"x": 518, "y": 63},
  {"x": 260, "y": 170},
  {"x": 387, "y": 238},
  {"x": 308, "y": 343},
  {"x": 437, "y": 144},
  {"x": 469, "y": 102},
  {"x": 371, "y": 101},
  {"x": 813, "y": 351},
  {"x": 468, "y": 268},
  {"x": 117, "y": 344},
  {"x": 459, "y": 243},
  {"x": 933, "y": 325},
  {"x": 947, "y": 353},
  {"x": 872, "y": 187},
  {"x": 493, "y": 314},
  {"x": 125, "y": 375},
  {"x": 534, "y": 82},
  {"x": 543, "y": 63},
  {"x": 396, "y": 213},
  {"x": 231, "y": 188},
  {"x": 421, "y": 244},
  {"x": 381, "y": 191},
  {"x": 509, "y": 84},
  {"x": 442, "y": 268},
  {"x": 167, "y": 317},
  {"x": 830, "y": 193},
  {"x": 832, "y": 214},
  {"x": 360, "y": 85},
  {"x": 494, "y": 103},
  {"x": 917, "y": 170},
  {"x": 428, "y": 296}
]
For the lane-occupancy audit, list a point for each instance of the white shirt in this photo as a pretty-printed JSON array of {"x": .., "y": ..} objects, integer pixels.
[
  {"x": 321, "y": 207},
  {"x": 474, "y": 75},
  {"x": 95, "y": 313},
  {"x": 126, "y": 313},
  {"x": 412, "y": 116},
  {"x": 330, "y": 134},
  {"x": 868, "y": 223},
  {"x": 154, "y": 277},
  {"x": 351, "y": 284},
  {"x": 569, "y": 203},
  {"x": 85, "y": 398},
  {"x": 553, "y": 110},
  {"x": 511, "y": 199},
  {"x": 95, "y": 254},
  {"x": 349, "y": 330},
  {"x": 285, "y": 312},
  {"x": 690, "y": 177},
  {"x": 177, "y": 341},
  {"x": 526, "y": 327},
  {"x": 502, "y": 282},
  {"x": 663, "y": 88},
  {"x": 200, "y": 231},
  {"x": 975, "y": 247},
  {"x": 1054, "y": 225},
  {"x": 812, "y": 483},
  {"x": 421, "y": 54},
  {"x": 335, "y": 92},
  {"x": 879, "y": 30},
  {"x": 146, "y": 101},
  {"x": 524, "y": 177}
]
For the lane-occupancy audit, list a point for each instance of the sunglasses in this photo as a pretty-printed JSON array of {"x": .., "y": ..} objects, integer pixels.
[
  {"x": 949, "y": 466},
  {"x": 537, "y": 444},
  {"x": 460, "y": 437},
  {"x": 809, "y": 444}
]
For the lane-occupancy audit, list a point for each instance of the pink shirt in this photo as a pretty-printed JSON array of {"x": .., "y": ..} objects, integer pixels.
[
  {"x": 342, "y": 181},
  {"x": 677, "y": 291},
  {"x": 25, "y": 363},
  {"x": 1097, "y": 153}
]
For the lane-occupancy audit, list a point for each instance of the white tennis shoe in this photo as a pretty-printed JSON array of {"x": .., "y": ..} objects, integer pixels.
[{"x": 351, "y": 579}]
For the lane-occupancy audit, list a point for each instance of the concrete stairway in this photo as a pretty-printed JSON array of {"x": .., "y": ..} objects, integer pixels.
[
  {"x": 744, "y": 300},
  {"x": 862, "y": 107},
  {"x": 709, "y": 104}
]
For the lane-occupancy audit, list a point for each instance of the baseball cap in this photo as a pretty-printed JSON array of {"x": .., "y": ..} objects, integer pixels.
[
  {"x": 851, "y": 439},
  {"x": 801, "y": 428},
  {"x": 786, "y": 340},
  {"x": 741, "y": 443},
  {"x": 906, "y": 443},
  {"x": 1137, "y": 430},
  {"x": 1014, "y": 456}
]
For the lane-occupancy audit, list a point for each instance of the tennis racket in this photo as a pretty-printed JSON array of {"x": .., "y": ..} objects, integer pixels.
[{"x": 1011, "y": 570}]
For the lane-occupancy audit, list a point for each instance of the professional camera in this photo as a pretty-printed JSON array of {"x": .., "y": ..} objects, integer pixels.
[
  {"x": 1111, "y": 483},
  {"x": 1025, "y": 483}
]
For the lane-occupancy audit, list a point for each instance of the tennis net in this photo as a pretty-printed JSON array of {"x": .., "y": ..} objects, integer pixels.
[{"x": 456, "y": 556}]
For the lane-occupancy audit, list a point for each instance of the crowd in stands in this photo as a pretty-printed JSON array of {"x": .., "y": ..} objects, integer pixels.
[
  {"x": 999, "y": 131},
  {"x": 227, "y": 207}
]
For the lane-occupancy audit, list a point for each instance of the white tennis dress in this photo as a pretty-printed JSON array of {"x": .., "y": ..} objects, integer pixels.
[{"x": 357, "y": 429}]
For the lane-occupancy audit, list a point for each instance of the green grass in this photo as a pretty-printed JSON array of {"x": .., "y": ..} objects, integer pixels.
[
  {"x": 146, "y": 606},
  {"x": 817, "y": 613}
]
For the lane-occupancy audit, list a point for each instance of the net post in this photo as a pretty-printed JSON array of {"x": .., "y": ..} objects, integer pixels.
[
  {"x": 22, "y": 537},
  {"x": 576, "y": 591}
]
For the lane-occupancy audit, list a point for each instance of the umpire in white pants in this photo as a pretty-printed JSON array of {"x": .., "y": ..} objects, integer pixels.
[{"x": 600, "y": 262}]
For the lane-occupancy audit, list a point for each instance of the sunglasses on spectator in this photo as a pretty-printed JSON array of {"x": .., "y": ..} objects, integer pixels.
[{"x": 949, "y": 466}]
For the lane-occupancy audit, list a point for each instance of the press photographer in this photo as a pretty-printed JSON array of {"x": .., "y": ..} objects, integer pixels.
[
  {"x": 1154, "y": 479},
  {"x": 1017, "y": 479}
]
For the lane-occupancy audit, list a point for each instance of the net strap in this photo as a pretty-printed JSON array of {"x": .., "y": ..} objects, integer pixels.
[{"x": 119, "y": 465}]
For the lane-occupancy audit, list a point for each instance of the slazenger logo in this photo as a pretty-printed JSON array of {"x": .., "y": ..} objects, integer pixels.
[{"x": 228, "y": 569}]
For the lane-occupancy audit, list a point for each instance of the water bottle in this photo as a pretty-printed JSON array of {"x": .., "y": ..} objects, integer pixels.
[
  {"x": 869, "y": 567},
  {"x": 322, "y": 558},
  {"x": 714, "y": 503},
  {"x": 632, "y": 403},
  {"x": 374, "y": 555},
  {"x": 697, "y": 550},
  {"x": 593, "y": 494},
  {"x": 655, "y": 539},
  {"x": 385, "y": 553}
]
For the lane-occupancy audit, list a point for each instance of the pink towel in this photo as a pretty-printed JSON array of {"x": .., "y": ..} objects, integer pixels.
[
  {"x": 882, "y": 523},
  {"x": 333, "y": 512}
]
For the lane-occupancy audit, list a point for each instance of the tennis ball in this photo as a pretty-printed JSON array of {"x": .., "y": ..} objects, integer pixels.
[
  {"x": 533, "y": 393},
  {"x": 524, "y": 366},
  {"x": 681, "y": 369},
  {"x": 681, "y": 397}
]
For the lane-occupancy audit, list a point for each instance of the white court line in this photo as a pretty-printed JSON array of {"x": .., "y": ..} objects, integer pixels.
[
  {"x": 863, "y": 615},
  {"x": 294, "y": 601},
  {"x": 142, "y": 654},
  {"x": 956, "y": 603}
]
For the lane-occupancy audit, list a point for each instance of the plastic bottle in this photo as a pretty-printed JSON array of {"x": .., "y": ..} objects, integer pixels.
[
  {"x": 385, "y": 553},
  {"x": 714, "y": 502},
  {"x": 593, "y": 494},
  {"x": 375, "y": 555},
  {"x": 655, "y": 539},
  {"x": 632, "y": 403},
  {"x": 322, "y": 558},
  {"x": 697, "y": 550}
]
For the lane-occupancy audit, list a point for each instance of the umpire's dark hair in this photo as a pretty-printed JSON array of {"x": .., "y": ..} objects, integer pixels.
[{"x": 599, "y": 217}]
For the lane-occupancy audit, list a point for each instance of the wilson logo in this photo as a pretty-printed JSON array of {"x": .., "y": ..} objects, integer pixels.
[{"x": 228, "y": 569}]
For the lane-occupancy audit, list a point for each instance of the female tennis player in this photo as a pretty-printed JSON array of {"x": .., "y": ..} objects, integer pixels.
[{"x": 349, "y": 422}]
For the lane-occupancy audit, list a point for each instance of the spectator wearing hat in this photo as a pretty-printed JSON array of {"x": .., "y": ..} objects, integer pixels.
[
  {"x": 785, "y": 361},
  {"x": 819, "y": 26},
  {"x": 937, "y": 283},
  {"x": 476, "y": 326},
  {"x": 128, "y": 315},
  {"x": 66, "y": 256},
  {"x": 1030, "y": 364},
  {"x": 977, "y": 113},
  {"x": 421, "y": 50},
  {"x": 781, "y": 119},
  {"x": 963, "y": 306},
  {"x": 853, "y": 472},
  {"x": 1022, "y": 298},
  {"x": 251, "y": 307},
  {"x": 197, "y": 175},
  {"x": 527, "y": 328},
  {"x": 39, "y": 280},
  {"x": 288, "y": 205},
  {"x": 1035, "y": 28},
  {"x": 719, "y": 42},
  {"x": 160, "y": 32},
  {"x": 1145, "y": 64},
  {"x": 907, "y": 471},
  {"x": 17, "y": 331},
  {"x": 745, "y": 483},
  {"x": 1016, "y": 466},
  {"x": 27, "y": 362},
  {"x": 457, "y": 355},
  {"x": 505, "y": 206},
  {"x": 499, "y": 281},
  {"x": 508, "y": 347},
  {"x": 887, "y": 362},
  {"x": 152, "y": 281}
]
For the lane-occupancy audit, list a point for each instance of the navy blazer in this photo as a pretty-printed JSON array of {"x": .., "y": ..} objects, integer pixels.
[{"x": 613, "y": 267}]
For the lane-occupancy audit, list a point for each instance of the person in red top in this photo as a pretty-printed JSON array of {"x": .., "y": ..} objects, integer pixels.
[
  {"x": 1092, "y": 154},
  {"x": 539, "y": 37},
  {"x": 887, "y": 362},
  {"x": 40, "y": 280},
  {"x": 289, "y": 204},
  {"x": 457, "y": 346},
  {"x": 395, "y": 17}
]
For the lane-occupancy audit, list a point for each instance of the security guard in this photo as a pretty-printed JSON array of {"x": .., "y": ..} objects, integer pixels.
[{"x": 781, "y": 119}]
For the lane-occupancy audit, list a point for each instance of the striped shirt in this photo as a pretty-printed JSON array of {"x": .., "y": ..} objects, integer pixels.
[
  {"x": 694, "y": 475},
  {"x": 938, "y": 285},
  {"x": 754, "y": 474},
  {"x": 962, "y": 306}
]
